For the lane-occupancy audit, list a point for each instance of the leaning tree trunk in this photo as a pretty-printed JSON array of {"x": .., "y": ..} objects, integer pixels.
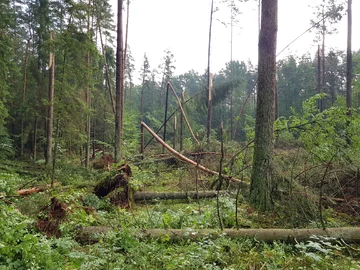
[{"x": 264, "y": 126}]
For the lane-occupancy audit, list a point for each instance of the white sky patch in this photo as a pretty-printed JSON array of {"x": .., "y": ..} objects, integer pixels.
[{"x": 183, "y": 27}]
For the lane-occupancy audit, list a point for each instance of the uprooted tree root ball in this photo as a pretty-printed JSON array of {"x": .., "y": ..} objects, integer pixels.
[{"x": 55, "y": 213}]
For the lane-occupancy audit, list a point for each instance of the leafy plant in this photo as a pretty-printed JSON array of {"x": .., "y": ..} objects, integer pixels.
[{"x": 22, "y": 248}]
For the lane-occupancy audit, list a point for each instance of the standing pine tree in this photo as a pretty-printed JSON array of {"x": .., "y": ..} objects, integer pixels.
[
  {"x": 119, "y": 108},
  {"x": 264, "y": 126},
  {"x": 349, "y": 65}
]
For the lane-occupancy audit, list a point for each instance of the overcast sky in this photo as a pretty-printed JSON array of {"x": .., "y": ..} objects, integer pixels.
[{"x": 183, "y": 27}]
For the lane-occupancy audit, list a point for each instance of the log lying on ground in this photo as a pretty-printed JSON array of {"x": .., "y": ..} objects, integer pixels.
[
  {"x": 146, "y": 196},
  {"x": 187, "y": 160},
  {"x": 29, "y": 191},
  {"x": 91, "y": 235},
  {"x": 348, "y": 234}
]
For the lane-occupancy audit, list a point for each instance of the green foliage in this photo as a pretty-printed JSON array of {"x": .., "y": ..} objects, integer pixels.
[
  {"x": 69, "y": 172},
  {"x": 21, "y": 248},
  {"x": 325, "y": 134},
  {"x": 9, "y": 182},
  {"x": 131, "y": 135},
  {"x": 122, "y": 250},
  {"x": 249, "y": 128},
  {"x": 296, "y": 83}
]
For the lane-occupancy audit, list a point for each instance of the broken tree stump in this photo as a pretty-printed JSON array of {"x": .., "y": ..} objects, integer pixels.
[
  {"x": 56, "y": 213},
  {"x": 116, "y": 187}
]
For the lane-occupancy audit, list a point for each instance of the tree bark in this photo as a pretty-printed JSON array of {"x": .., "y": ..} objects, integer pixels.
[
  {"x": 23, "y": 95},
  {"x": 264, "y": 127},
  {"x": 119, "y": 85},
  {"x": 126, "y": 44},
  {"x": 209, "y": 118},
  {"x": 87, "y": 94},
  {"x": 349, "y": 58},
  {"x": 50, "y": 116}
]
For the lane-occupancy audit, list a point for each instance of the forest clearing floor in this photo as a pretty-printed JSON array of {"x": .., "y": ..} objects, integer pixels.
[{"x": 42, "y": 230}]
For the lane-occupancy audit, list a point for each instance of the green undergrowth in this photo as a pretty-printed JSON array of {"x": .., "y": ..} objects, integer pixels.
[
  {"x": 122, "y": 250},
  {"x": 22, "y": 246}
]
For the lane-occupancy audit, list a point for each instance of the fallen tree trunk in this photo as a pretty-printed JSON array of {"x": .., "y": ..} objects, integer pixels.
[
  {"x": 348, "y": 234},
  {"x": 146, "y": 196},
  {"x": 187, "y": 160},
  {"x": 29, "y": 191}
]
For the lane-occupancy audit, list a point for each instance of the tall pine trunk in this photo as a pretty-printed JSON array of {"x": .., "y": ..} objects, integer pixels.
[
  {"x": 119, "y": 85},
  {"x": 50, "y": 113},
  {"x": 349, "y": 58},
  {"x": 261, "y": 181},
  {"x": 87, "y": 94},
  {"x": 209, "y": 117}
]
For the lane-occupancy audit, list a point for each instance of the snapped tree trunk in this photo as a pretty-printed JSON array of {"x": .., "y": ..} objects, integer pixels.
[{"x": 264, "y": 126}]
